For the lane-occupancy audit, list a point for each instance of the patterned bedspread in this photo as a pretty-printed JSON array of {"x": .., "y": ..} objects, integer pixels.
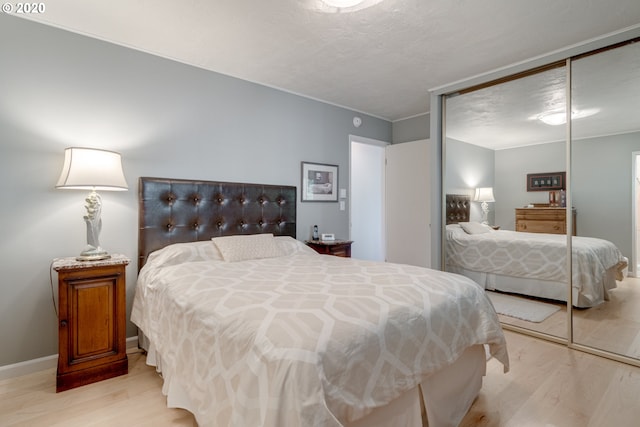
[
  {"x": 535, "y": 255},
  {"x": 303, "y": 339}
]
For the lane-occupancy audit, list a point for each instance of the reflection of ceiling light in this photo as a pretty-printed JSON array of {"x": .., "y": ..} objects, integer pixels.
[
  {"x": 555, "y": 118},
  {"x": 343, "y": 3},
  {"x": 339, "y": 6}
]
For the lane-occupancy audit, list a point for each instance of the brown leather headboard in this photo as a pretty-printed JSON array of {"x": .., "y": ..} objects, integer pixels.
[
  {"x": 180, "y": 210},
  {"x": 458, "y": 207}
]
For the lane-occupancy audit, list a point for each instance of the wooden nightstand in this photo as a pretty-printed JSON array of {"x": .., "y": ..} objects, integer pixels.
[
  {"x": 92, "y": 320},
  {"x": 336, "y": 247}
]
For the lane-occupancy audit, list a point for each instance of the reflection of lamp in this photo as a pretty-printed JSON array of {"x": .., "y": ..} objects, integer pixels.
[
  {"x": 87, "y": 168},
  {"x": 484, "y": 195}
]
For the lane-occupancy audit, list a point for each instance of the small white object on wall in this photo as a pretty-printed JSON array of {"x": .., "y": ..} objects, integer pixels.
[
  {"x": 357, "y": 121},
  {"x": 343, "y": 193}
]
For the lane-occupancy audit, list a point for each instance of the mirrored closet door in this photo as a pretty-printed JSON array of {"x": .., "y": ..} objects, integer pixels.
[
  {"x": 557, "y": 150},
  {"x": 495, "y": 138},
  {"x": 605, "y": 140}
]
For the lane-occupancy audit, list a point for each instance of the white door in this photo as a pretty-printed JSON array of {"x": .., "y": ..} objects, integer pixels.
[
  {"x": 366, "y": 202},
  {"x": 408, "y": 193}
]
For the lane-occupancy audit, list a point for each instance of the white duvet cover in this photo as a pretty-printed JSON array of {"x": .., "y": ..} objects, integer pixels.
[
  {"x": 536, "y": 256},
  {"x": 303, "y": 339}
]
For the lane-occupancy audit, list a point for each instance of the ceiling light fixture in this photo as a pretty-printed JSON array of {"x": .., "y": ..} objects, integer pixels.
[
  {"x": 553, "y": 119},
  {"x": 343, "y": 3},
  {"x": 556, "y": 118},
  {"x": 339, "y": 6}
]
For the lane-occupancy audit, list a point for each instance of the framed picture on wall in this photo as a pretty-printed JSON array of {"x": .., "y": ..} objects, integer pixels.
[
  {"x": 549, "y": 181},
  {"x": 319, "y": 182}
]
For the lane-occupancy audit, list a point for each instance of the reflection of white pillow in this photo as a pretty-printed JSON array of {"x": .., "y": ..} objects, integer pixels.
[
  {"x": 252, "y": 246},
  {"x": 454, "y": 229},
  {"x": 475, "y": 227}
]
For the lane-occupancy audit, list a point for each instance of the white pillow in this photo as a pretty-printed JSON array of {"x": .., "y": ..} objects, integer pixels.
[
  {"x": 475, "y": 227},
  {"x": 179, "y": 253},
  {"x": 244, "y": 247},
  {"x": 290, "y": 246}
]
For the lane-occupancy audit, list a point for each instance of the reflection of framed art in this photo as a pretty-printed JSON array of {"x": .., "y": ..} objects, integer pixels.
[
  {"x": 319, "y": 182},
  {"x": 546, "y": 181}
]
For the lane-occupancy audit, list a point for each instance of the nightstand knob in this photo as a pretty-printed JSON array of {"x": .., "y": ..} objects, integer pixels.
[{"x": 63, "y": 323}]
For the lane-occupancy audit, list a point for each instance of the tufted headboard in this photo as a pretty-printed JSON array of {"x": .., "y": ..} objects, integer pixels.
[
  {"x": 180, "y": 210},
  {"x": 457, "y": 209}
]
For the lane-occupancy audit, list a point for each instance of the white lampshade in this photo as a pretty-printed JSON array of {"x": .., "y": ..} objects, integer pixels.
[
  {"x": 89, "y": 168},
  {"x": 484, "y": 194}
]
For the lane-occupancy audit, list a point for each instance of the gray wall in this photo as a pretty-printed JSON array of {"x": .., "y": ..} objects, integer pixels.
[
  {"x": 602, "y": 188},
  {"x": 512, "y": 167},
  {"x": 411, "y": 129},
  {"x": 469, "y": 166},
  {"x": 167, "y": 119}
]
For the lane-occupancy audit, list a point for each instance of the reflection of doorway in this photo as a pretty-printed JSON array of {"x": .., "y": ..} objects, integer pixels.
[{"x": 635, "y": 219}]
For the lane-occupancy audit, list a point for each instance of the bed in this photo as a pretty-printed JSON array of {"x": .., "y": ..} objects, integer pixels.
[
  {"x": 532, "y": 264},
  {"x": 249, "y": 326}
]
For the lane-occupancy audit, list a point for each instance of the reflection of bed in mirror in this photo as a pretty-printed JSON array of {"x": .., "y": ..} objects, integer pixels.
[
  {"x": 532, "y": 264},
  {"x": 255, "y": 328}
]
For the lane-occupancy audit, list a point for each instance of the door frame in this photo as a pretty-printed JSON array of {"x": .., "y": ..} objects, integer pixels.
[{"x": 635, "y": 211}]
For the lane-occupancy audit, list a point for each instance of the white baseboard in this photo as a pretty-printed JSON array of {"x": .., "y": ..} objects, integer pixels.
[
  {"x": 28, "y": 367},
  {"x": 42, "y": 363},
  {"x": 132, "y": 342}
]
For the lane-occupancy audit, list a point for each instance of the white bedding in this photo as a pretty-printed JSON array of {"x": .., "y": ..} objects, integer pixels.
[
  {"x": 303, "y": 339},
  {"x": 537, "y": 256}
]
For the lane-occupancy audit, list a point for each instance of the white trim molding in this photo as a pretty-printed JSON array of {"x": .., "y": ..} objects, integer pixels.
[{"x": 42, "y": 363}]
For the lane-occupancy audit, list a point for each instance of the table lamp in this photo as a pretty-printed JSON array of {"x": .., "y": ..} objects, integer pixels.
[
  {"x": 92, "y": 169},
  {"x": 484, "y": 195}
]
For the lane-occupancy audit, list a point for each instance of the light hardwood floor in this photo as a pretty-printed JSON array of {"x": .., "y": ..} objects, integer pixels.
[
  {"x": 548, "y": 385},
  {"x": 552, "y": 385},
  {"x": 134, "y": 399},
  {"x": 613, "y": 325}
]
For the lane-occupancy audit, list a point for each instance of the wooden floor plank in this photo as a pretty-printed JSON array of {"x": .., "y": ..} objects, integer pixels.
[
  {"x": 548, "y": 385},
  {"x": 552, "y": 385}
]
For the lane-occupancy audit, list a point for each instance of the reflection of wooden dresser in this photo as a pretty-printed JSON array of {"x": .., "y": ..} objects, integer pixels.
[{"x": 543, "y": 220}]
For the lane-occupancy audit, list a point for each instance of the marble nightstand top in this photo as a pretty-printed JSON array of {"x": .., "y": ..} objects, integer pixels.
[{"x": 70, "y": 263}]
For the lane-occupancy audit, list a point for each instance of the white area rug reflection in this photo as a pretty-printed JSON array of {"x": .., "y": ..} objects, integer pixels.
[{"x": 521, "y": 308}]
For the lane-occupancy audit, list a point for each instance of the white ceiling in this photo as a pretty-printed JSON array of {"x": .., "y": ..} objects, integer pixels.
[{"x": 381, "y": 60}]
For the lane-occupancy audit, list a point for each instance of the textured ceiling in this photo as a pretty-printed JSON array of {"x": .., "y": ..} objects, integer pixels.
[
  {"x": 381, "y": 60},
  {"x": 506, "y": 115}
]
